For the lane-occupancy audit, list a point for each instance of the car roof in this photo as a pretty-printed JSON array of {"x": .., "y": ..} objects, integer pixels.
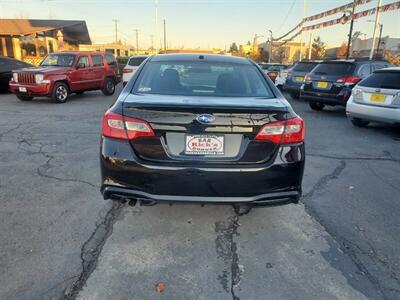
[
  {"x": 201, "y": 57},
  {"x": 80, "y": 52},
  {"x": 387, "y": 70},
  {"x": 133, "y": 56}
]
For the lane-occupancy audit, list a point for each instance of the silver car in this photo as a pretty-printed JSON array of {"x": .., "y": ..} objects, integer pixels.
[{"x": 376, "y": 98}]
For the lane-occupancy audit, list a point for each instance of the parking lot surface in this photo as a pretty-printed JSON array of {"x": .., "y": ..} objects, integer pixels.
[{"x": 60, "y": 240}]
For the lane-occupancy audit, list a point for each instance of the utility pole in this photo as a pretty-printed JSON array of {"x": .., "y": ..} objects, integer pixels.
[
  {"x": 310, "y": 44},
  {"x": 351, "y": 30},
  {"x": 380, "y": 38},
  {"x": 377, "y": 15},
  {"x": 156, "y": 24},
  {"x": 302, "y": 26},
  {"x": 137, "y": 39},
  {"x": 116, "y": 30},
  {"x": 152, "y": 41},
  {"x": 165, "y": 35},
  {"x": 270, "y": 46}
]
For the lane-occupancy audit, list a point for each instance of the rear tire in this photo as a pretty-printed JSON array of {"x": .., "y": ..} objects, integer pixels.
[
  {"x": 359, "y": 122},
  {"x": 295, "y": 96},
  {"x": 317, "y": 106},
  {"x": 109, "y": 87},
  {"x": 24, "y": 98},
  {"x": 60, "y": 92}
]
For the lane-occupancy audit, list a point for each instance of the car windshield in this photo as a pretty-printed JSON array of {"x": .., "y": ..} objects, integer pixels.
[
  {"x": 334, "y": 69},
  {"x": 136, "y": 61},
  {"x": 201, "y": 79},
  {"x": 382, "y": 80},
  {"x": 304, "y": 66},
  {"x": 59, "y": 60}
]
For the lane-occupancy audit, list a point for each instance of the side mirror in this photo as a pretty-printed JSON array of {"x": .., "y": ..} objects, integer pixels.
[{"x": 80, "y": 66}]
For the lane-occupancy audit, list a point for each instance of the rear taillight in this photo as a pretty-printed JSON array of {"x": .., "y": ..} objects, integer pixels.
[
  {"x": 307, "y": 78},
  {"x": 283, "y": 132},
  {"x": 125, "y": 70},
  {"x": 125, "y": 128},
  {"x": 347, "y": 81}
]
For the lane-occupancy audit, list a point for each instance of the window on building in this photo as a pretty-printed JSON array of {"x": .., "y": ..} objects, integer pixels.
[
  {"x": 97, "y": 60},
  {"x": 51, "y": 47},
  {"x": 118, "y": 52}
]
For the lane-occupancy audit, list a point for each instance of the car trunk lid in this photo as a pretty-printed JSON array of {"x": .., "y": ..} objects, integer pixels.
[{"x": 182, "y": 136}]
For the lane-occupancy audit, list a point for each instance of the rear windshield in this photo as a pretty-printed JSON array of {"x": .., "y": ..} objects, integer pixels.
[
  {"x": 304, "y": 66},
  {"x": 202, "y": 79},
  {"x": 382, "y": 81},
  {"x": 136, "y": 61},
  {"x": 334, "y": 69}
]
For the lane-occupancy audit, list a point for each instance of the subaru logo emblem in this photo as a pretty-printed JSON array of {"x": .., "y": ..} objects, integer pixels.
[{"x": 205, "y": 118}]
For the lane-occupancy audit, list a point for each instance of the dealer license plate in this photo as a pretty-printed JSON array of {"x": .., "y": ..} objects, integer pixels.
[
  {"x": 204, "y": 144},
  {"x": 22, "y": 89}
]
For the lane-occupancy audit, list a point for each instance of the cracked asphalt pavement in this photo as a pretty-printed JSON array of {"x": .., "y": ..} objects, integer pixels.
[{"x": 60, "y": 240}]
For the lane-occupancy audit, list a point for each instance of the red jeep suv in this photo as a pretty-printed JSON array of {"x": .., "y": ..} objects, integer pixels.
[{"x": 61, "y": 74}]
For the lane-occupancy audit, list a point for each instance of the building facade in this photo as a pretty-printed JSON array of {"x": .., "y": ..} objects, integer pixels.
[{"x": 31, "y": 40}]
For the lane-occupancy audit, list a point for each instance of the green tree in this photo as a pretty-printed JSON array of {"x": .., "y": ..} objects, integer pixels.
[
  {"x": 233, "y": 48},
  {"x": 318, "y": 48}
]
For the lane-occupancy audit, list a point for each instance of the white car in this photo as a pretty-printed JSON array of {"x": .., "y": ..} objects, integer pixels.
[
  {"x": 133, "y": 64},
  {"x": 376, "y": 98},
  {"x": 280, "y": 80}
]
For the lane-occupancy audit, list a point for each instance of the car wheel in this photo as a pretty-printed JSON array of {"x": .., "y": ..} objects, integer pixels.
[
  {"x": 294, "y": 95},
  {"x": 359, "y": 122},
  {"x": 109, "y": 87},
  {"x": 316, "y": 105},
  {"x": 24, "y": 98},
  {"x": 60, "y": 92}
]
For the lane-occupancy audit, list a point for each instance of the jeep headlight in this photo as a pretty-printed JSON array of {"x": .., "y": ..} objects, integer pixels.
[
  {"x": 15, "y": 77},
  {"x": 39, "y": 78}
]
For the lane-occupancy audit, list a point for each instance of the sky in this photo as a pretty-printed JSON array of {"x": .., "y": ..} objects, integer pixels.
[{"x": 196, "y": 23}]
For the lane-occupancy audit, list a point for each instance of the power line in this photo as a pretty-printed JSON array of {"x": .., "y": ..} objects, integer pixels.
[{"x": 286, "y": 17}]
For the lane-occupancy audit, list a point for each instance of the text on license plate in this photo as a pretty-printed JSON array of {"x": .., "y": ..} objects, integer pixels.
[
  {"x": 204, "y": 144},
  {"x": 322, "y": 84},
  {"x": 22, "y": 89},
  {"x": 377, "y": 98}
]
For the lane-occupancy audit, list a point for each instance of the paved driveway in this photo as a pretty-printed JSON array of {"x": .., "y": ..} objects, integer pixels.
[{"x": 60, "y": 240}]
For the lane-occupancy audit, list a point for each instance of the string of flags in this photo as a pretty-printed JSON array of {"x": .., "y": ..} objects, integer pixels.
[{"x": 341, "y": 20}]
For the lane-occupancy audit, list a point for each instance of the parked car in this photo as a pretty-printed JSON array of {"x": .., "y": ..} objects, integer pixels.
[
  {"x": 8, "y": 64},
  {"x": 201, "y": 128},
  {"x": 131, "y": 67},
  {"x": 295, "y": 77},
  {"x": 272, "y": 70},
  {"x": 330, "y": 82},
  {"x": 281, "y": 77},
  {"x": 61, "y": 74},
  {"x": 122, "y": 61},
  {"x": 376, "y": 98}
]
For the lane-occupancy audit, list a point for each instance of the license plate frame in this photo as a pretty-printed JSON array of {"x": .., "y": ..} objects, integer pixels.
[
  {"x": 322, "y": 84},
  {"x": 22, "y": 89},
  {"x": 205, "y": 144},
  {"x": 377, "y": 98}
]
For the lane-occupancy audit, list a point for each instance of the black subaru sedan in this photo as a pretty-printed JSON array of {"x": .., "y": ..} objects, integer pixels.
[{"x": 201, "y": 128}]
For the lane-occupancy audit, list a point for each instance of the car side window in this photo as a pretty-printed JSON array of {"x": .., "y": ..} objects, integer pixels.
[
  {"x": 84, "y": 60},
  {"x": 97, "y": 60},
  {"x": 365, "y": 71},
  {"x": 110, "y": 59},
  {"x": 379, "y": 66}
]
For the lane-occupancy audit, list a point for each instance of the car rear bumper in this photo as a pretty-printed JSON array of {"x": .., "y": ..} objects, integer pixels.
[
  {"x": 126, "y": 176},
  {"x": 292, "y": 87},
  {"x": 31, "y": 89},
  {"x": 390, "y": 115},
  {"x": 326, "y": 98}
]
